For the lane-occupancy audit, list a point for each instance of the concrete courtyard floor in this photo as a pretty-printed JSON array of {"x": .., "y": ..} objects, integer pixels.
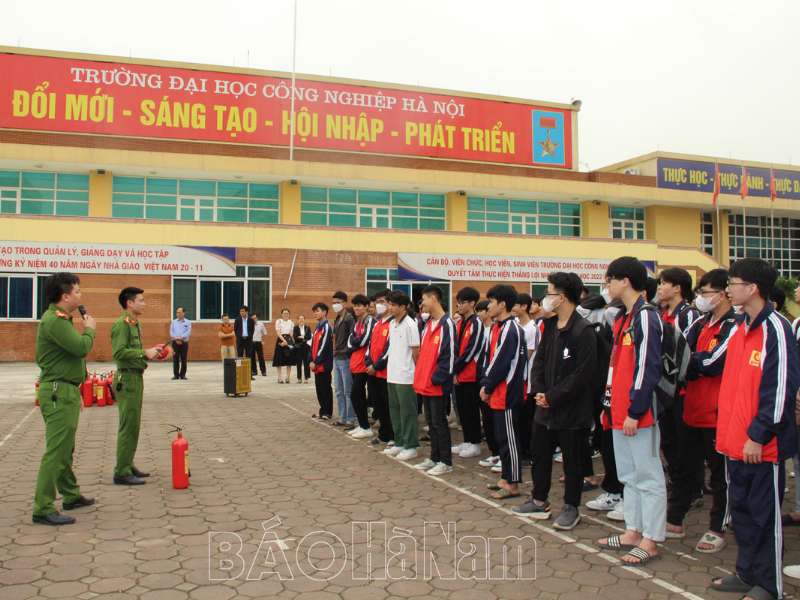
[{"x": 281, "y": 505}]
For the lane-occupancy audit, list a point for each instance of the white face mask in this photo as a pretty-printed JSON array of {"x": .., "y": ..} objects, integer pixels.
[
  {"x": 549, "y": 304},
  {"x": 380, "y": 309},
  {"x": 705, "y": 305},
  {"x": 337, "y": 307},
  {"x": 425, "y": 316},
  {"x": 606, "y": 295}
]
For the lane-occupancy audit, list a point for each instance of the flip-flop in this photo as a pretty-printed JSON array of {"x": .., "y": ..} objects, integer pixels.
[
  {"x": 643, "y": 556},
  {"x": 492, "y": 486},
  {"x": 729, "y": 583},
  {"x": 758, "y": 593},
  {"x": 504, "y": 494},
  {"x": 613, "y": 543},
  {"x": 675, "y": 535},
  {"x": 788, "y": 521},
  {"x": 716, "y": 542}
]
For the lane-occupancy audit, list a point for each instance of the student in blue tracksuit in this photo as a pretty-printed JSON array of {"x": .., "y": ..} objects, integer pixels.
[{"x": 503, "y": 386}]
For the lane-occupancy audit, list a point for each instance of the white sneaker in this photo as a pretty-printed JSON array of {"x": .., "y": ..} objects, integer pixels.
[
  {"x": 489, "y": 461},
  {"x": 390, "y": 443},
  {"x": 407, "y": 454},
  {"x": 470, "y": 451},
  {"x": 394, "y": 450},
  {"x": 457, "y": 448},
  {"x": 498, "y": 468},
  {"x": 440, "y": 469},
  {"x": 558, "y": 457},
  {"x": 792, "y": 571},
  {"x": 618, "y": 514},
  {"x": 362, "y": 434},
  {"x": 425, "y": 465},
  {"x": 605, "y": 501},
  {"x": 353, "y": 431}
]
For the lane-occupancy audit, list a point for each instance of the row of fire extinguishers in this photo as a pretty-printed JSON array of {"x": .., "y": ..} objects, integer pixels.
[
  {"x": 96, "y": 389},
  {"x": 100, "y": 388}
]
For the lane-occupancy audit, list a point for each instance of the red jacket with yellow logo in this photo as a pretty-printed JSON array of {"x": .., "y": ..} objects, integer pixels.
[
  {"x": 759, "y": 383},
  {"x": 433, "y": 374}
]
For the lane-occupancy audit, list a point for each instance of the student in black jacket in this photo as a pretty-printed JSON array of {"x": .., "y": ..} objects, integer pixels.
[
  {"x": 243, "y": 327},
  {"x": 563, "y": 372}
]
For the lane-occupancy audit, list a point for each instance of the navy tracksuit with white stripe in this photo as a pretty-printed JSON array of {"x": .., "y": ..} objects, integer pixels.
[
  {"x": 504, "y": 379},
  {"x": 757, "y": 403}
]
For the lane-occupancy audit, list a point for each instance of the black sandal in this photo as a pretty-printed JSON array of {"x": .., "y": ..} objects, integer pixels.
[
  {"x": 641, "y": 555},
  {"x": 729, "y": 583},
  {"x": 613, "y": 543}
]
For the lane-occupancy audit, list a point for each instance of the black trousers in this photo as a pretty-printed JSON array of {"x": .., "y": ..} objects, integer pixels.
[
  {"x": 507, "y": 429},
  {"x": 755, "y": 493},
  {"x": 698, "y": 446},
  {"x": 358, "y": 396},
  {"x": 671, "y": 424},
  {"x": 468, "y": 404},
  {"x": 258, "y": 353},
  {"x": 586, "y": 455},
  {"x": 322, "y": 384},
  {"x": 180, "y": 354},
  {"x": 526, "y": 427},
  {"x": 611, "y": 482},
  {"x": 572, "y": 443},
  {"x": 487, "y": 416},
  {"x": 303, "y": 353},
  {"x": 244, "y": 347},
  {"x": 380, "y": 398},
  {"x": 438, "y": 429}
]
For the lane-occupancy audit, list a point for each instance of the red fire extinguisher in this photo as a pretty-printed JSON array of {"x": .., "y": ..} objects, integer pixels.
[
  {"x": 109, "y": 385},
  {"x": 87, "y": 393},
  {"x": 99, "y": 388},
  {"x": 36, "y": 395},
  {"x": 180, "y": 460}
]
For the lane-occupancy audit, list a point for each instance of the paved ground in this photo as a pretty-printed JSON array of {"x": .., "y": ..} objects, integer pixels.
[{"x": 292, "y": 495}]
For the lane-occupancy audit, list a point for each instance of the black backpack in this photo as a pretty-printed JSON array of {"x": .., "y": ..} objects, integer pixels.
[{"x": 675, "y": 354}]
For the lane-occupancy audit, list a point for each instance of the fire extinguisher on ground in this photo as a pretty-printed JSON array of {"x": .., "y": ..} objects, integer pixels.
[{"x": 180, "y": 460}]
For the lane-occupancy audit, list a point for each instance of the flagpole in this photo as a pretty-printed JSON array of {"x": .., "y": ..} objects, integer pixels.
[
  {"x": 744, "y": 210},
  {"x": 294, "y": 69}
]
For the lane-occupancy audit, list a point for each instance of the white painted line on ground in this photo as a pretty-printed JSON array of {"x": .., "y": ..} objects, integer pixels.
[
  {"x": 564, "y": 538},
  {"x": 17, "y": 426}
]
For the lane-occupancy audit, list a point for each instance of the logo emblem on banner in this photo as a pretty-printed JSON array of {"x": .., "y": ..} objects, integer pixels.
[{"x": 548, "y": 137}]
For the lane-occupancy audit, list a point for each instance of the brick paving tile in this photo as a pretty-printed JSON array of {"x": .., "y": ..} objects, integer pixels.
[{"x": 270, "y": 484}]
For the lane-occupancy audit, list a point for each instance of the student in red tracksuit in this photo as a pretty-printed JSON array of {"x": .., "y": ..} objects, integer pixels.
[
  {"x": 503, "y": 386},
  {"x": 322, "y": 361},
  {"x": 756, "y": 428},
  {"x": 707, "y": 338},
  {"x": 357, "y": 344},
  {"x": 433, "y": 379},
  {"x": 376, "y": 358},
  {"x": 633, "y": 374},
  {"x": 469, "y": 338}
]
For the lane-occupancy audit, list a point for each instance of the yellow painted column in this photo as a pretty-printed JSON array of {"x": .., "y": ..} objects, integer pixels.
[
  {"x": 100, "y": 189},
  {"x": 289, "y": 203},
  {"x": 672, "y": 226},
  {"x": 455, "y": 207},
  {"x": 595, "y": 222},
  {"x": 722, "y": 238}
]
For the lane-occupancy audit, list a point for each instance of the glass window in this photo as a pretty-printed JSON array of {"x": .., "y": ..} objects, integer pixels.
[
  {"x": 211, "y": 299},
  {"x": 34, "y": 193},
  {"x": 523, "y": 217},
  {"x": 184, "y": 293},
  {"x": 627, "y": 223},
  {"x": 774, "y": 239}
]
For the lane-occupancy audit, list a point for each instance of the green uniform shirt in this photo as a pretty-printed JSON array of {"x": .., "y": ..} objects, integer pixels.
[
  {"x": 60, "y": 349},
  {"x": 126, "y": 344}
]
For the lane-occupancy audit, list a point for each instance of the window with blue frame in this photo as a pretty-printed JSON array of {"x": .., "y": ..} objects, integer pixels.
[
  {"x": 374, "y": 209},
  {"x": 523, "y": 217},
  {"x": 194, "y": 200},
  {"x": 43, "y": 193}
]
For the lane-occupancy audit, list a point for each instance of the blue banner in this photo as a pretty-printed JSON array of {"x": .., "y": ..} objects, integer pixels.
[{"x": 698, "y": 176}]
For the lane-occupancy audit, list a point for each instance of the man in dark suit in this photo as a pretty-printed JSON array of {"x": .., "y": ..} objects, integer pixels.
[{"x": 243, "y": 328}]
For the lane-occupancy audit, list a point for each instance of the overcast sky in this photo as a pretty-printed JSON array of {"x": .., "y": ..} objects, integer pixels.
[{"x": 697, "y": 76}]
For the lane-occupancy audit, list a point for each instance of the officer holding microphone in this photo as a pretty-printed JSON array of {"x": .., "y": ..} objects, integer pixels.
[{"x": 60, "y": 353}]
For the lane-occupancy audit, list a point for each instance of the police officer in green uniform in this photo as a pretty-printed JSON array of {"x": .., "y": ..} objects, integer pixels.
[
  {"x": 60, "y": 353},
  {"x": 131, "y": 359}
]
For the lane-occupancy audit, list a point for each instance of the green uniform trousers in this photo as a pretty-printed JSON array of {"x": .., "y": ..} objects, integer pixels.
[
  {"x": 129, "y": 406},
  {"x": 403, "y": 413},
  {"x": 60, "y": 404}
]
